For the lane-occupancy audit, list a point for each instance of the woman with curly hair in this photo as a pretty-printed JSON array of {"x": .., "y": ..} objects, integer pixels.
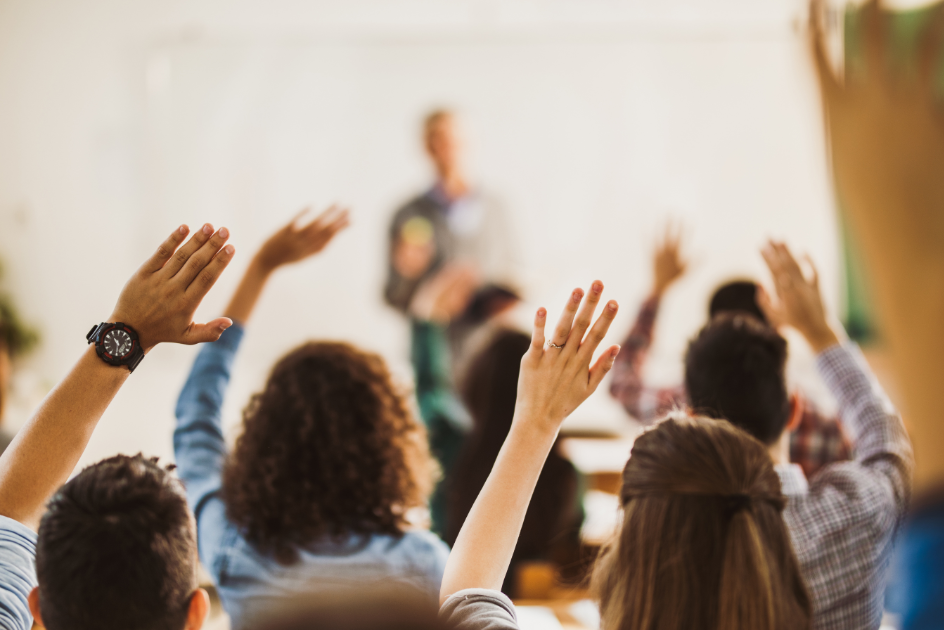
[{"x": 316, "y": 494}]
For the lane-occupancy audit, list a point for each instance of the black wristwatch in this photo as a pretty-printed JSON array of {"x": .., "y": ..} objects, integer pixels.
[{"x": 116, "y": 344}]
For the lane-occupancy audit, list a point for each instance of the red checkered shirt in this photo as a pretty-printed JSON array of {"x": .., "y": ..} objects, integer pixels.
[{"x": 817, "y": 441}]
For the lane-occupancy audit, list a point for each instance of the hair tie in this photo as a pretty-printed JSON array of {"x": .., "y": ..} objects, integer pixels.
[{"x": 734, "y": 503}]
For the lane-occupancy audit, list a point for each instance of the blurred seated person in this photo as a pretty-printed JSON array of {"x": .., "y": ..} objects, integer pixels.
[
  {"x": 816, "y": 441},
  {"x": 843, "y": 520},
  {"x": 702, "y": 543},
  {"x": 16, "y": 339},
  {"x": 551, "y": 529},
  {"x": 330, "y": 465}
]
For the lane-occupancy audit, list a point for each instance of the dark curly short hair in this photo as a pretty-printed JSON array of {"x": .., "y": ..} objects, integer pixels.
[
  {"x": 117, "y": 549},
  {"x": 329, "y": 448}
]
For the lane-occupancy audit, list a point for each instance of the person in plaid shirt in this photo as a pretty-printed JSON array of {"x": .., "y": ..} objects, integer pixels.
[
  {"x": 844, "y": 519},
  {"x": 816, "y": 441}
]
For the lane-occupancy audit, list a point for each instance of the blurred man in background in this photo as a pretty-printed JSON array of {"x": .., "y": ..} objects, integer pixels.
[{"x": 448, "y": 245}]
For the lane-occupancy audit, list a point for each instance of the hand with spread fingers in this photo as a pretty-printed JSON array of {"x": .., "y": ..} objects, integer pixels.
[
  {"x": 297, "y": 241},
  {"x": 668, "y": 264},
  {"x": 292, "y": 243},
  {"x": 160, "y": 299},
  {"x": 799, "y": 301},
  {"x": 556, "y": 376},
  {"x": 158, "y": 302}
]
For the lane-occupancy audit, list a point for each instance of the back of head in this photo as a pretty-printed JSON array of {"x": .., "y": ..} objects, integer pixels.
[
  {"x": 489, "y": 391},
  {"x": 329, "y": 448},
  {"x": 703, "y": 544},
  {"x": 735, "y": 369},
  {"x": 737, "y": 295},
  {"x": 378, "y": 609},
  {"x": 116, "y": 549}
]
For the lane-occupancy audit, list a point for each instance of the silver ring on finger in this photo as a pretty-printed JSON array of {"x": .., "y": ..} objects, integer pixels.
[{"x": 551, "y": 344}]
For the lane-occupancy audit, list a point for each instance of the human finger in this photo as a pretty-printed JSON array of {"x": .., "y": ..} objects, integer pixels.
[
  {"x": 766, "y": 305},
  {"x": 598, "y": 332},
  {"x": 208, "y": 276},
  {"x": 828, "y": 82},
  {"x": 166, "y": 249},
  {"x": 202, "y": 257},
  {"x": 566, "y": 321},
  {"x": 584, "y": 318},
  {"x": 929, "y": 55},
  {"x": 603, "y": 365},
  {"x": 814, "y": 272},
  {"x": 537, "y": 334},
  {"x": 208, "y": 332},
  {"x": 182, "y": 255},
  {"x": 873, "y": 35}
]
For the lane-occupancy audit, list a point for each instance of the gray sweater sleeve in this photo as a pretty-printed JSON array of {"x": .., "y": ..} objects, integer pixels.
[{"x": 479, "y": 609}]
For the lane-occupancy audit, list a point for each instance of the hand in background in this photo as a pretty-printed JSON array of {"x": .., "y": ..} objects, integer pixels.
[
  {"x": 555, "y": 381},
  {"x": 668, "y": 264},
  {"x": 291, "y": 244},
  {"x": 297, "y": 241},
  {"x": 885, "y": 128},
  {"x": 161, "y": 297},
  {"x": 799, "y": 302},
  {"x": 446, "y": 295}
]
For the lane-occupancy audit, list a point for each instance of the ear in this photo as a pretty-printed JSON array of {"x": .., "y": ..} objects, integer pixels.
[
  {"x": 796, "y": 412},
  {"x": 199, "y": 608},
  {"x": 33, "y": 600}
]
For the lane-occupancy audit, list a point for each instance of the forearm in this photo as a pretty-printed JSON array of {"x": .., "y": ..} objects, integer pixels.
[
  {"x": 487, "y": 540},
  {"x": 199, "y": 447},
  {"x": 247, "y": 294},
  {"x": 47, "y": 449},
  {"x": 877, "y": 430}
]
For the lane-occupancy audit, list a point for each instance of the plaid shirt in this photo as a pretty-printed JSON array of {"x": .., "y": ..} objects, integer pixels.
[
  {"x": 816, "y": 442},
  {"x": 844, "y": 525}
]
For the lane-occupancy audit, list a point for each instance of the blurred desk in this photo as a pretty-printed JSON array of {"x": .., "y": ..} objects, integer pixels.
[
  {"x": 557, "y": 614},
  {"x": 600, "y": 459}
]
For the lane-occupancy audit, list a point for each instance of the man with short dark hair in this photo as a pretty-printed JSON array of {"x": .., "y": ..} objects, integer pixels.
[
  {"x": 842, "y": 520},
  {"x": 117, "y": 546},
  {"x": 817, "y": 440}
]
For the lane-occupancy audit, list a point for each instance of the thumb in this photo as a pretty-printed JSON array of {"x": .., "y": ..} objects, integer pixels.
[
  {"x": 603, "y": 365},
  {"x": 203, "y": 333}
]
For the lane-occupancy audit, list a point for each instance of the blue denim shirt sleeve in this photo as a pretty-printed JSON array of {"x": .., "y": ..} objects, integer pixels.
[
  {"x": 199, "y": 447},
  {"x": 17, "y": 574}
]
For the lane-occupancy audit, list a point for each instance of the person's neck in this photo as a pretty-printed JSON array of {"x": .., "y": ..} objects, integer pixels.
[
  {"x": 780, "y": 450},
  {"x": 453, "y": 184}
]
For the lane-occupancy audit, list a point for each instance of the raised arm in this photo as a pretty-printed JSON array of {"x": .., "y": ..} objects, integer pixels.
[
  {"x": 158, "y": 302},
  {"x": 199, "y": 447},
  {"x": 554, "y": 381},
  {"x": 627, "y": 384}
]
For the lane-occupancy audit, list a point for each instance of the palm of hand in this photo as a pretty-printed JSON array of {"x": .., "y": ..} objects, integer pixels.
[{"x": 294, "y": 243}]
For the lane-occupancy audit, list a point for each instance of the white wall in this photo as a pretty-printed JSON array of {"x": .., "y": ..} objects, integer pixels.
[{"x": 593, "y": 120}]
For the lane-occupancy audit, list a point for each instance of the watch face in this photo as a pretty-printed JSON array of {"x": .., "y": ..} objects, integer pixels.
[{"x": 117, "y": 343}]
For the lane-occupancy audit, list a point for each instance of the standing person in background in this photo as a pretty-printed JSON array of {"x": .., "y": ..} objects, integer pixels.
[
  {"x": 816, "y": 441},
  {"x": 444, "y": 244},
  {"x": 319, "y": 490}
]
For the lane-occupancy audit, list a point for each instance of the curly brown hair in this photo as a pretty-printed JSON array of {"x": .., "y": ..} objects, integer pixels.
[{"x": 329, "y": 448}]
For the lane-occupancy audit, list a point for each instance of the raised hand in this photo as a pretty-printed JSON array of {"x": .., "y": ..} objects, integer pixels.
[
  {"x": 292, "y": 243},
  {"x": 554, "y": 380},
  {"x": 161, "y": 297},
  {"x": 799, "y": 301},
  {"x": 556, "y": 377},
  {"x": 668, "y": 264},
  {"x": 297, "y": 241}
]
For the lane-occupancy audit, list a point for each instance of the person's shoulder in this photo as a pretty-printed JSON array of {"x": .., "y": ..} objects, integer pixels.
[
  {"x": 422, "y": 539},
  {"x": 479, "y": 609},
  {"x": 14, "y": 532}
]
